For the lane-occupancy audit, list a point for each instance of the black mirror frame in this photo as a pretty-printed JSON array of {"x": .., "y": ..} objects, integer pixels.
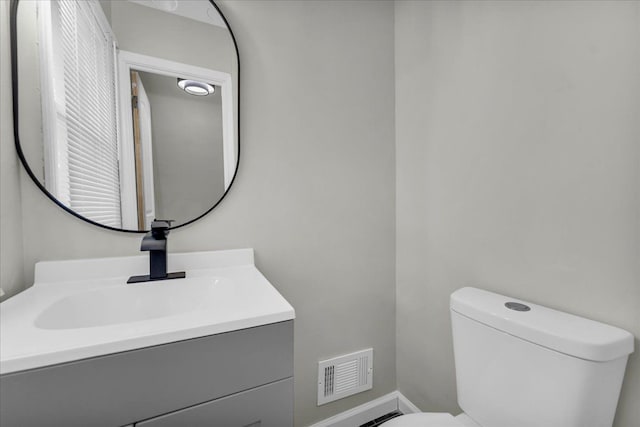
[{"x": 14, "y": 93}]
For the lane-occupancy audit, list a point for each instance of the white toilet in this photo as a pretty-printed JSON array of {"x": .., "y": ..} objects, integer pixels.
[{"x": 524, "y": 365}]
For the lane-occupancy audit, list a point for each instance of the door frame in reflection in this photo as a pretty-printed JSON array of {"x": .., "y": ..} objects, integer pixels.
[{"x": 128, "y": 61}]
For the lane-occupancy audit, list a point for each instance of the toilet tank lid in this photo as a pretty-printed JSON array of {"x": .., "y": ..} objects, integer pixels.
[{"x": 559, "y": 331}]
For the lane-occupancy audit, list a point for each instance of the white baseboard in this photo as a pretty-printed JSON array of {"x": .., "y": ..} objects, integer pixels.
[
  {"x": 405, "y": 405},
  {"x": 370, "y": 411}
]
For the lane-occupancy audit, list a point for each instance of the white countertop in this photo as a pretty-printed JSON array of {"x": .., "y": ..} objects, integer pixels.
[{"x": 223, "y": 292}]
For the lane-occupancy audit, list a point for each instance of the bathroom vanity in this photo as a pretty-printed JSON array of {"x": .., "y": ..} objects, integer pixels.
[{"x": 215, "y": 348}]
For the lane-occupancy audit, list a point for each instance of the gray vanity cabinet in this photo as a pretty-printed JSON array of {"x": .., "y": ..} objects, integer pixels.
[
  {"x": 234, "y": 379},
  {"x": 270, "y": 405}
]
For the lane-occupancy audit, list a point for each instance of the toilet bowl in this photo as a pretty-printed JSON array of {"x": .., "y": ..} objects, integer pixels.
[{"x": 524, "y": 365}]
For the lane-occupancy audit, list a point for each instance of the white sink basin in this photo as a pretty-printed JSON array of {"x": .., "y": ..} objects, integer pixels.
[
  {"x": 84, "y": 308},
  {"x": 134, "y": 303}
]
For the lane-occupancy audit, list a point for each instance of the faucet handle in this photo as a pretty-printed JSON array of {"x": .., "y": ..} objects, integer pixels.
[{"x": 160, "y": 228}]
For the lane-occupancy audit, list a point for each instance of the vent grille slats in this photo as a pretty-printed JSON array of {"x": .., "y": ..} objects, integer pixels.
[
  {"x": 328, "y": 380},
  {"x": 345, "y": 375},
  {"x": 364, "y": 368}
]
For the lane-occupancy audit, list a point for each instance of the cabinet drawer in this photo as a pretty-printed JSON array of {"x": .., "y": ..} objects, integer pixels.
[
  {"x": 122, "y": 388},
  {"x": 268, "y": 406}
]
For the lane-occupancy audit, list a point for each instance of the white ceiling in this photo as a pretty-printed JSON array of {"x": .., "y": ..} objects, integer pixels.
[{"x": 198, "y": 10}]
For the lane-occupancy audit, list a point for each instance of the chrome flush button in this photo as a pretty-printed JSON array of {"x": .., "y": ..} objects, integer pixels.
[{"x": 517, "y": 306}]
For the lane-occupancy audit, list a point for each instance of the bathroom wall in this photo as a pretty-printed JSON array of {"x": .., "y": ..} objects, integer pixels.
[
  {"x": 11, "y": 268},
  {"x": 315, "y": 189},
  {"x": 518, "y": 171}
]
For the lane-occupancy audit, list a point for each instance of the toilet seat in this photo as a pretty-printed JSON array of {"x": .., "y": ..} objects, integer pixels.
[{"x": 424, "y": 420}]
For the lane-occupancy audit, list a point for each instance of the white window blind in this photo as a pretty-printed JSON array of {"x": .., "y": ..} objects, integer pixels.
[{"x": 83, "y": 132}]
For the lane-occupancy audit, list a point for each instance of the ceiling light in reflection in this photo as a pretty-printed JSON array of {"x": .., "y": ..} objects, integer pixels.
[{"x": 195, "y": 87}]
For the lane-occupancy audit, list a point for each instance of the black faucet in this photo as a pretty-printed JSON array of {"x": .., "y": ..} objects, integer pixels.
[{"x": 156, "y": 243}]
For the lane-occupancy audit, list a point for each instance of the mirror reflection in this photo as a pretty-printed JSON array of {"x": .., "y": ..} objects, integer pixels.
[{"x": 128, "y": 108}]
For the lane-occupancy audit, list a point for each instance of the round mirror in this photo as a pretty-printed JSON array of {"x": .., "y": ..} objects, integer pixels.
[{"x": 126, "y": 110}]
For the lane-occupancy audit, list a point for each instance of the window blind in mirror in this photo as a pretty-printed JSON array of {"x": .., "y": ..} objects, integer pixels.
[{"x": 83, "y": 132}]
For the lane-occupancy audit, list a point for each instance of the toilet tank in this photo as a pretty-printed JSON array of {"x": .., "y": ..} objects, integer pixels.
[{"x": 531, "y": 366}]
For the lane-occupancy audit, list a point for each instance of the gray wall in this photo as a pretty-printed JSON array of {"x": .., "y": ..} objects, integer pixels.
[
  {"x": 315, "y": 189},
  {"x": 11, "y": 268},
  {"x": 517, "y": 132}
]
